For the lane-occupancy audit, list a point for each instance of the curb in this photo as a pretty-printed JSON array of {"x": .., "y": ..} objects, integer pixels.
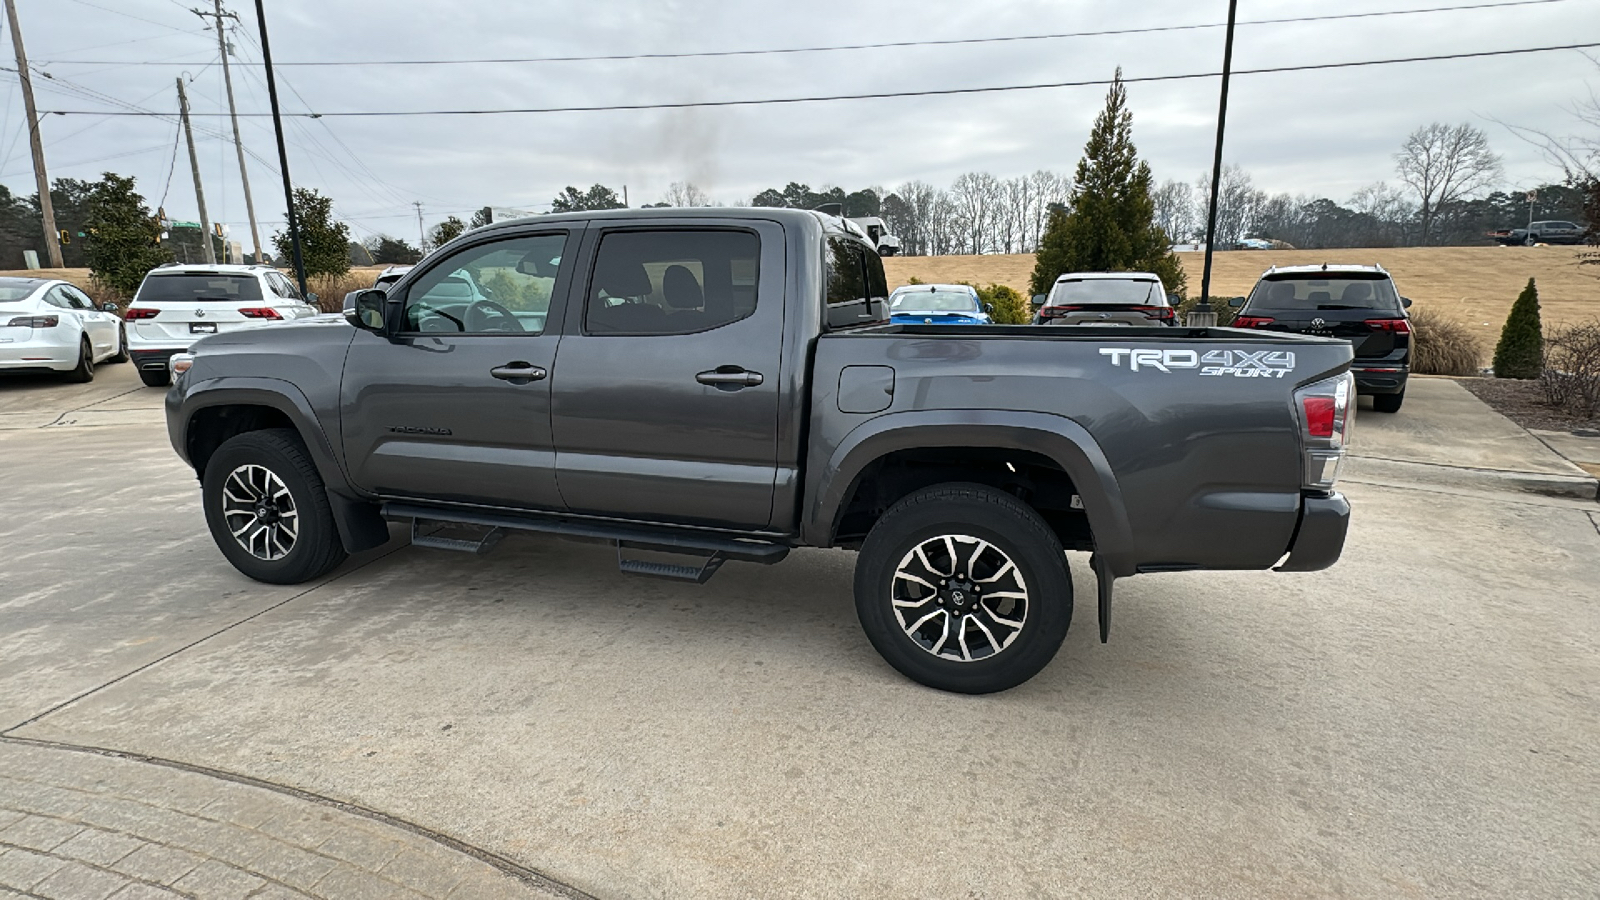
[{"x": 1578, "y": 486}]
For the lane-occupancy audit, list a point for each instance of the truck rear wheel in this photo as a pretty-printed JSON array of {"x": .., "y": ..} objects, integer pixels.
[
  {"x": 267, "y": 508},
  {"x": 963, "y": 588}
]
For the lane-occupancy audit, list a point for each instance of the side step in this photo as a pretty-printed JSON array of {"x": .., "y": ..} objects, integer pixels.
[
  {"x": 715, "y": 548},
  {"x": 433, "y": 539}
]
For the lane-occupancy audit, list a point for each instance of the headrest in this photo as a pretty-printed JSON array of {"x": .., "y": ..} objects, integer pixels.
[
  {"x": 623, "y": 279},
  {"x": 681, "y": 289},
  {"x": 1356, "y": 292},
  {"x": 1281, "y": 291}
]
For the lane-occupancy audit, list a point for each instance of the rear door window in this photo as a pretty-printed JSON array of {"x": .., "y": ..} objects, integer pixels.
[
  {"x": 1326, "y": 293},
  {"x": 672, "y": 281}
]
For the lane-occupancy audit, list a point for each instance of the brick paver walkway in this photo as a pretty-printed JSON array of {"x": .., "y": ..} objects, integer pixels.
[{"x": 84, "y": 826}]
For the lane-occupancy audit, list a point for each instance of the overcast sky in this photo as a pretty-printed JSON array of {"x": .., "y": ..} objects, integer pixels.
[{"x": 1322, "y": 133}]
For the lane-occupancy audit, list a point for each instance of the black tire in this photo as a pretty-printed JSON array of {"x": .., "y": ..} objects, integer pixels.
[
  {"x": 315, "y": 549},
  {"x": 1388, "y": 403},
  {"x": 155, "y": 377},
  {"x": 1009, "y": 527},
  {"x": 83, "y": 373},
  {"x": 122, "y": 346}
]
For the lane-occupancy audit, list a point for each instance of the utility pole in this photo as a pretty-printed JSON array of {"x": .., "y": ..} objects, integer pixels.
[
  {"x": 194, "y": 165},
  {"x": 422, "y": 237},
  {"x": 47, "y": 211},
  {"x": 233, "y": 113},
  {"x": 283, "y": 155},
  {"x": 1203, "y": 316}
]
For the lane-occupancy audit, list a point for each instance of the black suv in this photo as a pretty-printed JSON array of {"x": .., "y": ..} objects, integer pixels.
[{"x": 1357, "y": 303}]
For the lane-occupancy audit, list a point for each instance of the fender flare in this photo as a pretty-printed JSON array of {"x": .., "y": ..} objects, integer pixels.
[
  {"x": 1057, "y": 438},
  {"x": 360, "y": 525}
]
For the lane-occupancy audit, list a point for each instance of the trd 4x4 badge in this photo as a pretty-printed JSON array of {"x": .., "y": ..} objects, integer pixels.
[{"x": 1219, "y": 363}]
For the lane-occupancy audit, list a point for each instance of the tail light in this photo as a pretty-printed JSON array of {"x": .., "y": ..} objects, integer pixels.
[
  {"x": 1326, "y": 411},
  {"x": 136, "y": 313},
  {"x": 1252, "y": 321},
  {"x": 1159, "y": 313},
  {"x": 1057, "y": 312},
  {"x": 34, "y": 322},
  {"x": 1398, "y": 326},
  {"x": 259, "y": 312}
]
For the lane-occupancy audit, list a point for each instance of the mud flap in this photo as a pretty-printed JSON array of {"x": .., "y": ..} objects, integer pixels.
[{"x": 1104, "y": 580}]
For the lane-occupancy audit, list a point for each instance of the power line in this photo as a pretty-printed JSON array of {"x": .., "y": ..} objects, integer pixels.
[
  {"x": 884, "y": 45},
  {"x": 882, "y": 95},
  {"x": 129, "y": 15}
]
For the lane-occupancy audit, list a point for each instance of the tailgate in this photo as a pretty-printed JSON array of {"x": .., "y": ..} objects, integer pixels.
[{"x": 186, "y": 321}]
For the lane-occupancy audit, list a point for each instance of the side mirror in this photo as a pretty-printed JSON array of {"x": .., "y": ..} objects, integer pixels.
[
  {"x": 1038, "y": 300},
  {"x": 1235, "y": 302},
  {"x": 312, "y": 298},
  {"x": 364, "y": 309},
  {"x": 110, "y": 307},
  {"x": 1405, "y": 302},
  {"x": 989, "y": 308}
]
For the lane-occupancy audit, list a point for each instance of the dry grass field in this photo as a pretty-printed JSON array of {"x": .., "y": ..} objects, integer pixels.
[{"x": 1473, "y": 284}]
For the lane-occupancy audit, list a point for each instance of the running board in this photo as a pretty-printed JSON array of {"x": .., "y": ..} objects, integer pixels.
[{"x": 716, "y": 548}]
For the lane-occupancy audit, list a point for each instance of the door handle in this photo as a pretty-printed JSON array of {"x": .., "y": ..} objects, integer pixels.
[
  {"x": 519, "y": 372},
  {"x": 729, "y": 378}
]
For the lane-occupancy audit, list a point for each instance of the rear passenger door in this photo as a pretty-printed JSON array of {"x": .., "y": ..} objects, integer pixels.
[{"x": 665, "y": 393}]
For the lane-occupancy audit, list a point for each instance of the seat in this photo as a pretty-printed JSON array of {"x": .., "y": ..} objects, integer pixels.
[
  {"x": 1318, "y": 298},
  {"x": 1357, "y": 293},
  {"x": 685, "y": 299},
  {"x": 1280, "y": 294},
  {"x": 624, "y": 279}
]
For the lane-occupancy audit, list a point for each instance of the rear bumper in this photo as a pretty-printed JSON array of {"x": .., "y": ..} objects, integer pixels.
[
  {"x": 1319, "y": 539},
  {"x": 1379, "y": 377},
  {"x": 144, "y": 360}
]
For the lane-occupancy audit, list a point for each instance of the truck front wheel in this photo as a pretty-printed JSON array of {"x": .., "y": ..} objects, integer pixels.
[
  {"x": 963, "y": 588},
  {"x": 268, "y": 510}
]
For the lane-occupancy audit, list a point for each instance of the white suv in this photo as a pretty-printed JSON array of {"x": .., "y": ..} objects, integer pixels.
[{"x": 179, "y": 304}]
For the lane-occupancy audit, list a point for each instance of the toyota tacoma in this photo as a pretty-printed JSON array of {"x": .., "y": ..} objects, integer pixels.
[{"x": 723, "y": 385}]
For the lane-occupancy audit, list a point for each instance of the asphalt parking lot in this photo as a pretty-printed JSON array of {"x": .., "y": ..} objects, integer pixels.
[{"x": 1422, "y": 720}]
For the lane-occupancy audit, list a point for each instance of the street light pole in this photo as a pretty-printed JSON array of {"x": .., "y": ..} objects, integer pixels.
[
  {"x": 1203, "y": 316},
  {"x": 283, "y": 155}
]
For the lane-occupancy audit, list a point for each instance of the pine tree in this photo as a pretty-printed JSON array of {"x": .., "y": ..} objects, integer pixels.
[
  {"x": 1520, "y": 353},
  {"x": 1108, "y": 224},
  {"x": 124, "y": 239}
]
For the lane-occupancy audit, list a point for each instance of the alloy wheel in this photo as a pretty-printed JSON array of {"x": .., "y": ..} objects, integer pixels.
[
  {"x": 260, "y": 512},
  {"x": 960, "y": 598}
]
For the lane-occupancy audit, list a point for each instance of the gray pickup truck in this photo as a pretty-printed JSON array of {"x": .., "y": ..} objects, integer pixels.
[{"x": 722, "y": 384}]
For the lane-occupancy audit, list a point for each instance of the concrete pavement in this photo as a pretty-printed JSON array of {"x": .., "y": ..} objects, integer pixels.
[
  {"x": 1421, "y": 720},
  {"x": 1445, "y": 436}
]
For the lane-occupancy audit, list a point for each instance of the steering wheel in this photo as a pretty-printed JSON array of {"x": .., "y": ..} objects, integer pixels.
[{"x": 482, "y": 315}]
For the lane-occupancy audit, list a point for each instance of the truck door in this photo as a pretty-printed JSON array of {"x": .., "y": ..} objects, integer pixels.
[
  {"x": 455, "y": 405},
  {"x": 666, "y": 385}
]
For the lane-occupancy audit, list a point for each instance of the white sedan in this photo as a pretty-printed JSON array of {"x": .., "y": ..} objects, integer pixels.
[{"x": 51, "y": 325}]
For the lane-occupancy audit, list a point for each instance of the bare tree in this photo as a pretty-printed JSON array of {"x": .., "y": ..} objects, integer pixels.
[
  {"x": 682, "y": 193},
  {"x": 1442, "y": 164},
  {"x": 1239, "y": 205},
  {"x": 1174, "y": 202}
]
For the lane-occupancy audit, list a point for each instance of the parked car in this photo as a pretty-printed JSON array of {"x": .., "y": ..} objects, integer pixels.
[
  {"x": 1551, "y": 232},
  {"x": 725, "y": 384},
  {"x": 1357, "y": 303},
  {"x": 1105, "y": 298},
  {"x": 878, "y": 231},
  {"x": 938, "y": 304},
  {"x": 176, "y": 305},
  {"x": 387, "y": 278},
  {"x": 50, "y": 325}
]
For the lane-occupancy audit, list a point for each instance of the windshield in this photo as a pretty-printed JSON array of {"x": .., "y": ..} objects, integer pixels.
[
  {"x": 197, "y": 287},
  {"x": 10, "y": 294},
  {"x": 1090, "y": 291},
  {"x": 933, "y": 301},
  {"x": 1352, "y": 291}
]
